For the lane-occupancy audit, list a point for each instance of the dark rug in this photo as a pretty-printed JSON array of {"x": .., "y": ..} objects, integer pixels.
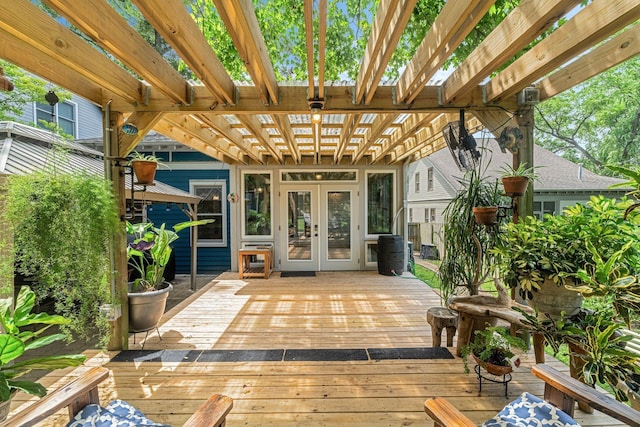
[
  {"x": 277, "y": 355},
  {"x": 410, "y": 353},
  {"x": 297, "y": 273}
]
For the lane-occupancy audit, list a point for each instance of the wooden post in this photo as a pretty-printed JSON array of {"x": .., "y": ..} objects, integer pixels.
[
  {"x": 119, "y": 328},
  {"x": 525, "y": 155}
]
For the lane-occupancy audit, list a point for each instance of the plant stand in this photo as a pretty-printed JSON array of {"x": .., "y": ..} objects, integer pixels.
[
  {"x": 144, "y": 341},
  {"x": 497, "y": 379}
]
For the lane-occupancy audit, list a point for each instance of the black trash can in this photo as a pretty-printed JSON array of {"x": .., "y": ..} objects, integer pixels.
[{"x": 390, "y": 255}]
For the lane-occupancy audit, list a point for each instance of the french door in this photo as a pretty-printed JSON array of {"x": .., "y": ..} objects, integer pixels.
[{"x": 319, "y": 227}]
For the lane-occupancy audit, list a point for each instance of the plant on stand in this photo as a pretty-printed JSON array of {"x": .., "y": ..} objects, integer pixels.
[
  {"x": 149, "y": 254},
  {"x": 18, "y": 339},
  {"x": 494, "y": 349}
]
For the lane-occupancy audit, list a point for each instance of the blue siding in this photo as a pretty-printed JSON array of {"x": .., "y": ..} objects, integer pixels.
[{"x": 210, "y": 260}]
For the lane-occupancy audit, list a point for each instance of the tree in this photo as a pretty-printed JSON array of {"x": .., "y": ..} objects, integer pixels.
[{"x": 597, "y": 122}]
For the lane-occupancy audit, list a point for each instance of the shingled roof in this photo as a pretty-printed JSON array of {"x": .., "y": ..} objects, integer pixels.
[{"x": 555, "y": 174}]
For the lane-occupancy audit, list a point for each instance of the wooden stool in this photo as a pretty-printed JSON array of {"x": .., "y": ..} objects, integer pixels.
[{"x": 440, "y": 318}]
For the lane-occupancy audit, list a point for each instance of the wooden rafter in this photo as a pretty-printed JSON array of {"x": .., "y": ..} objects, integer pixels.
[
  {"x": 26, "y": 22},
  {"x": 617, "y": 50},
  {"x": 144, "y": 122},
  {"x": 108, "y": 29},
  {"x": 351, "y": 123},
  {"x": 224, "y": 128},
  {"x": 239, "y": 17},
  {"x": 426, "y": 136},
  {"x": 31, "y": 59},
  {"x": 177, "y": 133},
  {"x": 173, "y": 22},
  {"x": 391, "y": 18},
  {"x": 254, "y": 126},
  {"x": 407, "y": 129},
  {"x": 452, "y": 25},
  {"x": 308, "y": 27},
  {"x": 528, "y": 20},
  {"x": 284, "y": 127},
  {"x": 322, "y": 42},
  {"x": 380, "y": 124},
  {"x": 594, "y": 23}
]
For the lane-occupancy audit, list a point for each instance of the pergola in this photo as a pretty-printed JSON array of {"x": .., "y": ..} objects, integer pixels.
[{"x": 268, "y": 122}]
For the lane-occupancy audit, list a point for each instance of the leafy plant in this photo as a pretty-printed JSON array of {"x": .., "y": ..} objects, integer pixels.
[
  {"x": 633, "y": 173},
  {"x": 61, "y": 225},
  {"x": 156, "y": 242},
  {"x": 16, "y": 342},
  {"x": 522, "y": 170},
  {"x": 493, "y": 345},
  {"x": 466, "y": 260},
  {"x": 143, "y": 157}
]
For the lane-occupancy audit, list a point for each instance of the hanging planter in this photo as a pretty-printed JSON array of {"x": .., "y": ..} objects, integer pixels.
[
  {"x": 486, "y": 215},
  {"x": 144, "y": 166},
  {"x": 515, "y": 185}
]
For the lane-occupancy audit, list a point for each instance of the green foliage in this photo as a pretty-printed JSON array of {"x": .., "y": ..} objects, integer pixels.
[
  {"x": 62, "y": 225},
  {"x": 19, "y": 335},
  {"x": 494, "y": 345},
  {"x": 522, "y": 170},
  {"x": 595, "y": 123},
  {"x": 559, "y": 246},
  {"x": 156, "y": 242},
  {"x": 467, "y": 261},
  {"x": 28, "y": 88},
  {"x": 428, "y": 276}
]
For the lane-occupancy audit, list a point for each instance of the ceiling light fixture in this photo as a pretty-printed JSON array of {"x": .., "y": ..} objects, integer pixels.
[{"x": 316, "y": 112}]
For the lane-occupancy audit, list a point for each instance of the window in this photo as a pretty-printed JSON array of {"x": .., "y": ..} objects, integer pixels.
[
  {"x": 257, "y": 204},
  {"x": 417, "y": 182},
  {"x": 433, "y": 215},
  {"x": 380, "y": 198},
  {"x": 213, "y": 206},
  {"x": 430, "y": 179},
  {"x": 426, "y": 214},
  {"x": 546, "y": 207},
  {"x": 410, "y": 214},
  {"x": 63, "y": 115}
]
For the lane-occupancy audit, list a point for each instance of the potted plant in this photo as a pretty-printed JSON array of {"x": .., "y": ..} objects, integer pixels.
[
  {"x": 516, "y": 180},
  {"x": 144, "y": 166},
  {"x": 22, "y": 332},
  {"x": 148, "y": 254},
  {"x": 540, "y": 257},
  {"x": 494, "y": 349},
  {"x": 466, "y": 260}
]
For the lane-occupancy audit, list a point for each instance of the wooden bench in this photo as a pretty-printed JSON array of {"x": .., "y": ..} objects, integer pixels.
[
  {"x": 560, "y": 390},
  {"x": 84, "y": 390},
  {"x": 244, "y": 262}
]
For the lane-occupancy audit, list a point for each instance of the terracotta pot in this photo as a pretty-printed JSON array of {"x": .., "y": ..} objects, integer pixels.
[
  {"x": 145, "y": 171},
  {"x": 486, "y": 215},
  {"x": 515, "y": 185}
]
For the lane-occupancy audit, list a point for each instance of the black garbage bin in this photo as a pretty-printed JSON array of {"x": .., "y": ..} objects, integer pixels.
[{"x": 390, "y": 254}]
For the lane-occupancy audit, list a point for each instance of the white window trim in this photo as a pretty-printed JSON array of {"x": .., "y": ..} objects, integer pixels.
[
  {"x": 366, "y": 197},
  {"x": 242, "y": 207},
  {"x": 210, "y": 183},
  {"x": 76, "y": 129}
]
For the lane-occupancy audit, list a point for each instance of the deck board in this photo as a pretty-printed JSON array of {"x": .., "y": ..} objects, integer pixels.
[{"x": 330, "y": 311}]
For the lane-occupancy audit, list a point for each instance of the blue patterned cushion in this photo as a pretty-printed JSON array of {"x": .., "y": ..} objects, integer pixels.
[
  {"x": 118, "y": 413},
  {"x": 529, "y": 410}
]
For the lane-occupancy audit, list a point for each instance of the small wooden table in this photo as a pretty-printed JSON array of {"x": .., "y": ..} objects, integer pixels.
[
  {"x": 442, "y": 318},
  {"x": 244, "y": 262}
]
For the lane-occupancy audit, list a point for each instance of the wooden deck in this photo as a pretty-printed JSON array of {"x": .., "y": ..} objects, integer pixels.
[{"x": 350, "y": 310}]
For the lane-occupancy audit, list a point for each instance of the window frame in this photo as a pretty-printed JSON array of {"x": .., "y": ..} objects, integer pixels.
[
  {"x": 394, "y": 186},
  {"x": 213, "y": 243},
  {"x": 256, "y": 237},
  {"x": 430, "y": 179},
  {"x": 56, "y": 115},
  {"x": 416, "y": 182}
]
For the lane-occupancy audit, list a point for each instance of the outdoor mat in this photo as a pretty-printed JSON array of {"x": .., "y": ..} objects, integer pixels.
[
  {"x": 410, "y": 353},
  {"x": 297, "y": 273},
  {"x": 276, "y": 355}
]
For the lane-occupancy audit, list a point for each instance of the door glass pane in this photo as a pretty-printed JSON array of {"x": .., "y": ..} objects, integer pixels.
[
  {"x": 299, "y": 223},
  {"x": 338, "y": 225}
]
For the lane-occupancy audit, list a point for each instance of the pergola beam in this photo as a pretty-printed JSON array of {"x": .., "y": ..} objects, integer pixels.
[
  {"x": 144, "y": 122},
  {"x": 284, "y": 127},
  {"x": 528, "y": 20},
  {"x": 391, "y": 19},
  {"x": 179, "y": 134},
  {"x": 26, "y": 22},
  {"x": 594, "y": 23},
  {"x": 615, "y": 51},
  {"x": 380, "y": 124},
  {"x": 453, "y": 24},
  {"x": 239, "y": 18},
  {"x": 254, "y": 126},
  {"x": 173, "y": 22},
  {"x": 224, "y": 128}
]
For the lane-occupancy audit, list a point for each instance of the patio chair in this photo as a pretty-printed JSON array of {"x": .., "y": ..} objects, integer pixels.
[
  {"x": 560, "y": 394},
  {"x": 82, "y": 394}
]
